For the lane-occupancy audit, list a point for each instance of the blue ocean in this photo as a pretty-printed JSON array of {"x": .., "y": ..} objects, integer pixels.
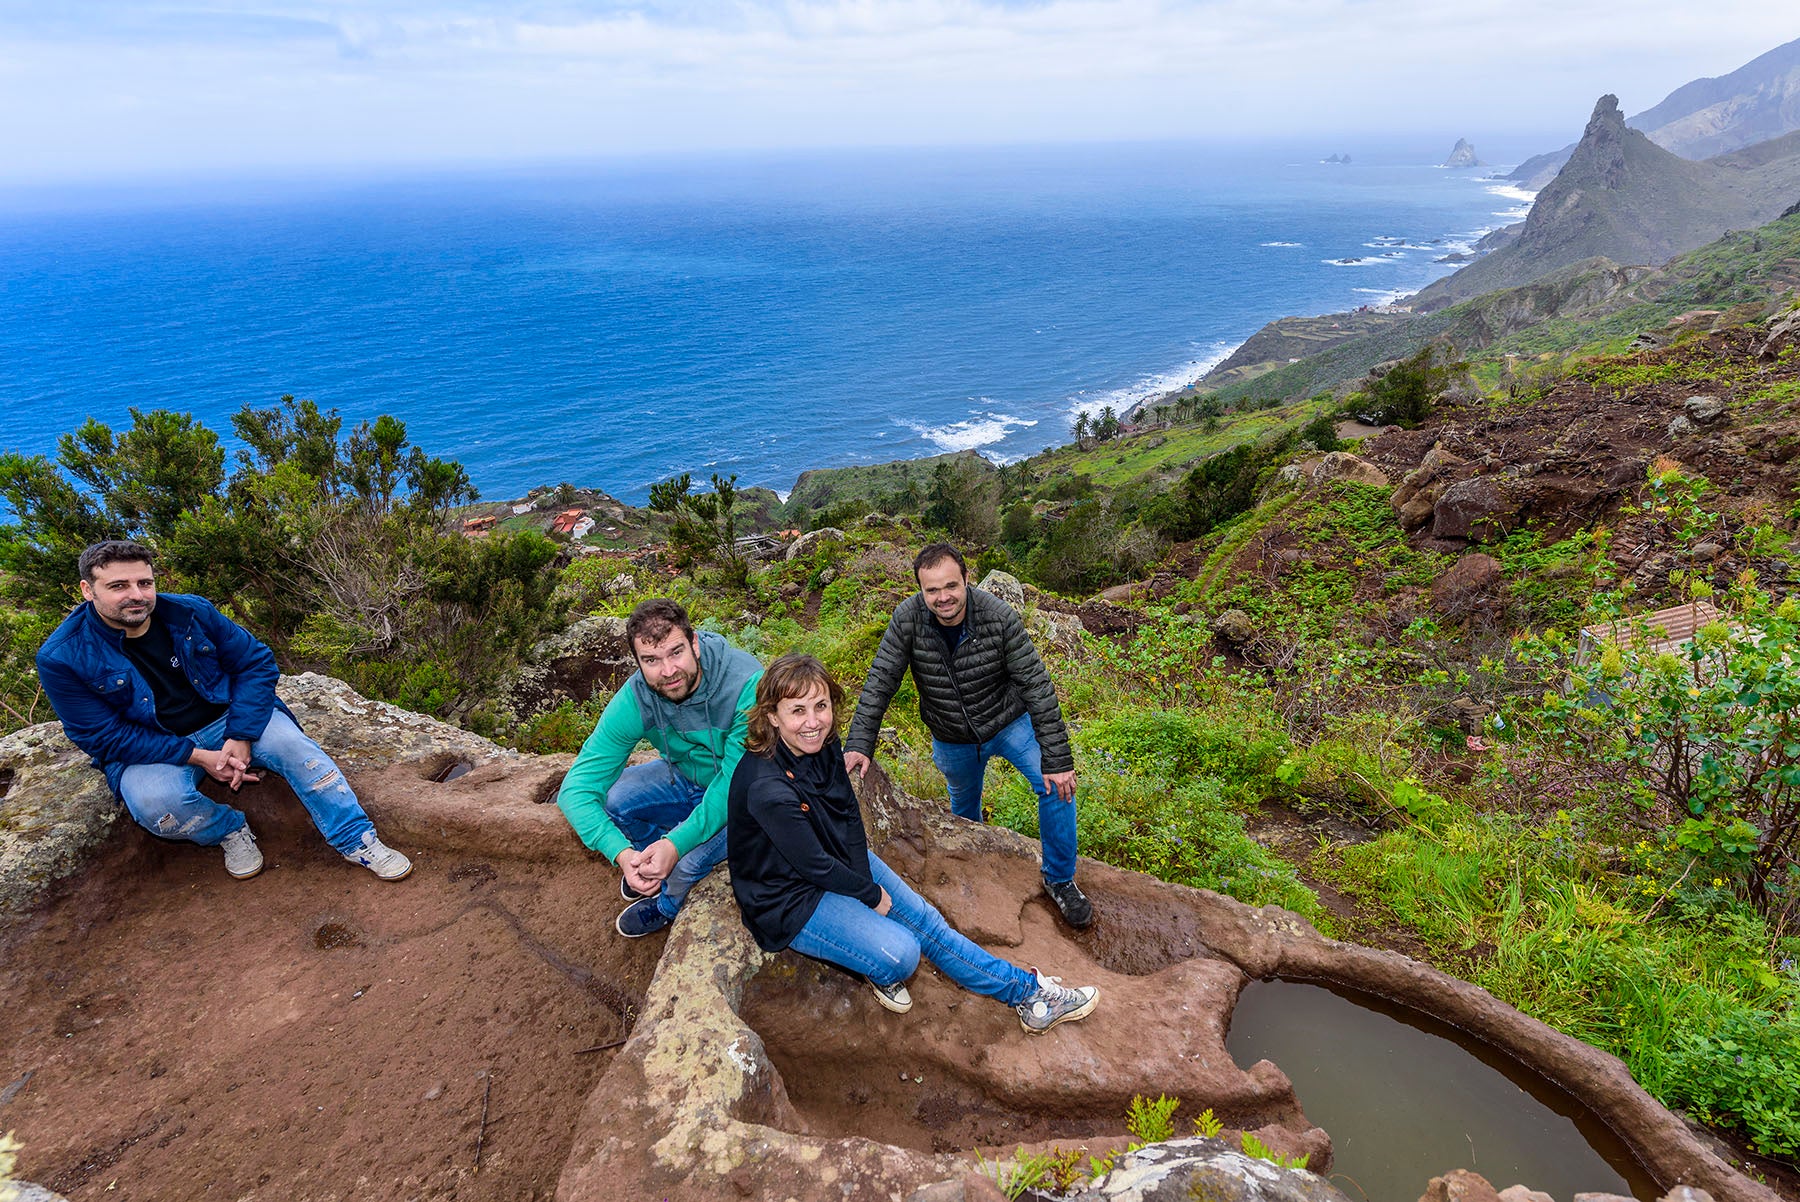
[{"x": 616, "y": 323}]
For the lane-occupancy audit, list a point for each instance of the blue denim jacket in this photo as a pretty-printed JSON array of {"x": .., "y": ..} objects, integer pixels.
[{"x": 106, "y": 706}]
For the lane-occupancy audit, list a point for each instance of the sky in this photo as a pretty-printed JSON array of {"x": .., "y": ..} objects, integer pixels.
[{"x": 112, "y": 89}]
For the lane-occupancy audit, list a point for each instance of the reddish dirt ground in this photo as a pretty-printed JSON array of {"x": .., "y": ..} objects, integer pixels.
[{"x": 311, "y": 1033}]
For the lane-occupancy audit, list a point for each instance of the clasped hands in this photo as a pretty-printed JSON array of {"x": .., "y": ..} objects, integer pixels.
[
  {"x": 646, "y": 870},
  {"x": 229, "y": 765}
]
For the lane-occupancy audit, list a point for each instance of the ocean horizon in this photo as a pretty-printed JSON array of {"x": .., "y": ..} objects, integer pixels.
[{"x": 615, "y": 324}]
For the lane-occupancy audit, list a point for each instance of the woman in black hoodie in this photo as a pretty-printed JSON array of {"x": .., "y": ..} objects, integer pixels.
[{"x": 805, "y": 878}]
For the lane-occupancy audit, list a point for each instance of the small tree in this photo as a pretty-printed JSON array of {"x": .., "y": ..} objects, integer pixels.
[
  {"x": 705, "y": 527},
  {"x": 1083, "y": 426}
]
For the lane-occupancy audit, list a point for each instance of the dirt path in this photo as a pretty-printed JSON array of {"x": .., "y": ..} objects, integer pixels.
[{"x": 354, "y": 1026}]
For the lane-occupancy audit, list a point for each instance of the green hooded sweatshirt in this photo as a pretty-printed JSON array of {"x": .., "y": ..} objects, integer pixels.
[{"x": 702, "y": 738}]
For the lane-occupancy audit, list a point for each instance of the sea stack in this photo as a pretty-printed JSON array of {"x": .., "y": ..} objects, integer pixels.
[{"x": 1462, "y": 155}]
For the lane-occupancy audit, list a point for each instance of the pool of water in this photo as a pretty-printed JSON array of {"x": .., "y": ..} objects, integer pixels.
[{"x": 1406, "y": 1098}]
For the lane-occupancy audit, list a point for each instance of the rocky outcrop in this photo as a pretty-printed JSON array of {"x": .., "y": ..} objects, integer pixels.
[
  {"x": 1462, "y": 155},
  {"x": 589, "y": 658},
  {"x": 57, "y": 812},
  {"x": 1622, "y": 197},
  {"x": 1473, "y": 582},
  {"x": 1341, "y": 465},
  {"x": 1185, "y": 1169},
  {"x": 1005, "y": 586},
  {"x": 812, "y": 540},
  {"x": 743, "y": 1074}
]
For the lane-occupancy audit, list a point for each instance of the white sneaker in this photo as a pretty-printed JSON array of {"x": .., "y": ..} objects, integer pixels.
[
  {"x": 1053, "y": 1004},
  {"x": 242, "y": 859},
  {"x": 379, "y": 858}
]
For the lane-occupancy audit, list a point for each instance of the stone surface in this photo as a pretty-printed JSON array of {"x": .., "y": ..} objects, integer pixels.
[
  {"x": 1473, "y": 582},
  {"x": 1704, "y": 410},
  {"x": 812, "y": 540},
  {"x": 589, "y": 658},
  {"x": 1471, "y": 509},
  {"x": 25, "y": 1191},
  {"x": 1213, "y": 1169},
  {"x": 1459, "y": 1185},
  {"x": 1520, "y": 1193},
  {"x": 1005, "y": 586},
  {"x": 693, "y": 1105},
  {"x": 1341, "y": 465},
  {"x": 1234, "y": 626}
]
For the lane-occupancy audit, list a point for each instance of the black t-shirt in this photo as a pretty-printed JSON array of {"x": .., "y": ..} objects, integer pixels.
[
  {"x": 179, "y": 706},
  {"x": 952, "y": 635}
]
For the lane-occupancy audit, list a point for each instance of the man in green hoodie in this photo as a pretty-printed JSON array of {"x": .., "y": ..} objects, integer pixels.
[{"x": 663, "y": 822}]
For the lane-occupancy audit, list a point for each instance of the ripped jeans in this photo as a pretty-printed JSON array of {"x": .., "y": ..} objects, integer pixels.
[{"x": 165, "y": 799}]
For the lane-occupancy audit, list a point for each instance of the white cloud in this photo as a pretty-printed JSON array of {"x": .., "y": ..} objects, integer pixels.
[{"x": 117, "y": 86}]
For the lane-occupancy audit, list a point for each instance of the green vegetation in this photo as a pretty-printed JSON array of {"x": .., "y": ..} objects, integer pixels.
[
  {"x": 340, "y": 553},
  {"x": 1151, "y": 1121}
]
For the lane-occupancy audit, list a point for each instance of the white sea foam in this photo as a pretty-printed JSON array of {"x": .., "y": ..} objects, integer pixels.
[
  {"x": 972, "y": 433},
  {"x": 1512, "y": 192},
  {"x": 1386, "y": 296},
  {"x": 1282, "y": 244},
  {"x": 784, "y": 494},
  {"x": 1357, "y": 261},
  {"x": 1155, "y": 385}
]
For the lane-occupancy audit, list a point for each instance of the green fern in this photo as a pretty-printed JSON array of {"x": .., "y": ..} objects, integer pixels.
[
  {"x": 1255, "y": 1147},
  {"x": 1151, "y": 1122},
  {"x": 1208, "y": 1125}
]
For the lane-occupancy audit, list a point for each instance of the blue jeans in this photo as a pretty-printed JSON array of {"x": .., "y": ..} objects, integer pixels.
[
  {"x": 646, "y": 803},
  {"x": 964, "y": 765},
  {"x": 165, "y": 799},
  {"x": 886, "y": 948}
]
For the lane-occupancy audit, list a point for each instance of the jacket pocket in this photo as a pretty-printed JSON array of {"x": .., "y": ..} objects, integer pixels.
[
  {"x": 203, "y": 666},
  {"x": 114, "y": 688}
]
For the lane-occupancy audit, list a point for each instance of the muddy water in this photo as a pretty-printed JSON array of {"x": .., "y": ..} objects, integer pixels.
[{"x": 1406, "y": 1098}]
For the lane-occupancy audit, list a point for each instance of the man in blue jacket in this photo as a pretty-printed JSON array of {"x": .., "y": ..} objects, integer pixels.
[{"x": 163, "y": 691}]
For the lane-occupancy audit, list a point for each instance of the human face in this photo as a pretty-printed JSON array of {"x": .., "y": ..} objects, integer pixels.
[
  {"x": 671, "y": 667},
  {"x": 804, "y": 722},
  {"x": 124, "y": 594},
  {"x": 946, "y": 591}
]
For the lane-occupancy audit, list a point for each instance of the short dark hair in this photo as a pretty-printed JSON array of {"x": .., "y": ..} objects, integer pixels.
[
  {"x": 652, "y": 620},
  {"x": 937, "y": 553},
  {"x": 113, "y": 550}
]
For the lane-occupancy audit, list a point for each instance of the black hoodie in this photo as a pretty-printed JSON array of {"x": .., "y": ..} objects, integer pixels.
[{"x": 795, "y": 834}]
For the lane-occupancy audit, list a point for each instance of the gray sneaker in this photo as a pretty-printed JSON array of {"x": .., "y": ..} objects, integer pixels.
[
  {"x": 379, "y": 858},
  {"x": 242, "y": 859},
  {"x": 1053, "y": 1004},
  {"x": 894, "y": 997}
]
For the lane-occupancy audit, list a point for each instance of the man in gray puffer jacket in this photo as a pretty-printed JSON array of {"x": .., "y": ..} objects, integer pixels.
[{"x": 983, "y": 691}]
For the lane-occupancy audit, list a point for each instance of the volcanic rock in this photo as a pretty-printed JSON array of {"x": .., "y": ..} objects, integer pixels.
[{"x": 812, "y": 540}]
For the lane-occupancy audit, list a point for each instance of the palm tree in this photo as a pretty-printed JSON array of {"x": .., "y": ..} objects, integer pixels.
[{"x": 1082, "y": 423}]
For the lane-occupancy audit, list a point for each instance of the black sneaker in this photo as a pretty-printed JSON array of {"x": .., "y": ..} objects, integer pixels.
[
  {"x": 893, "y": 997},
  {"x": 640, "y": 918},
  {"x": 627, "y": 892},
  {"x": 1071, "y": 903}
]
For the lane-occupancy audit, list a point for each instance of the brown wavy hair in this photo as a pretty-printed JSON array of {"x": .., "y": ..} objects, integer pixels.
[{"x": 789, "y": 676}]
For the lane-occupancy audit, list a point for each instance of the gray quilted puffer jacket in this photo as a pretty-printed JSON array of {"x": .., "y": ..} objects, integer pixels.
[{"x": 995, "y": 676}]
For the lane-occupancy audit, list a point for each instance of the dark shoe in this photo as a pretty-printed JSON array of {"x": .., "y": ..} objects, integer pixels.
[
  {"x": 1071, "y": 903},
  {"x": 641, "y": 918},
  {"x": 894, "y": 997},
  {"x": 1053, "y": 1004},
  {"x": 627, "y": 892}
]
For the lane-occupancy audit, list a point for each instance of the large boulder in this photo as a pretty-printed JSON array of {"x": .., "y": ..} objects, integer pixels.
[
  {"x": 1473, "y": 581},
  {"x": 591, "y": 657},
  {"x": 1197, "y": 1167},
  {"x": 812, "y": 540},
  {"x": 1341, "y": 465},
  {"x": 1005, "y": 586},
  {"x": 1473, "y": 509}
]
